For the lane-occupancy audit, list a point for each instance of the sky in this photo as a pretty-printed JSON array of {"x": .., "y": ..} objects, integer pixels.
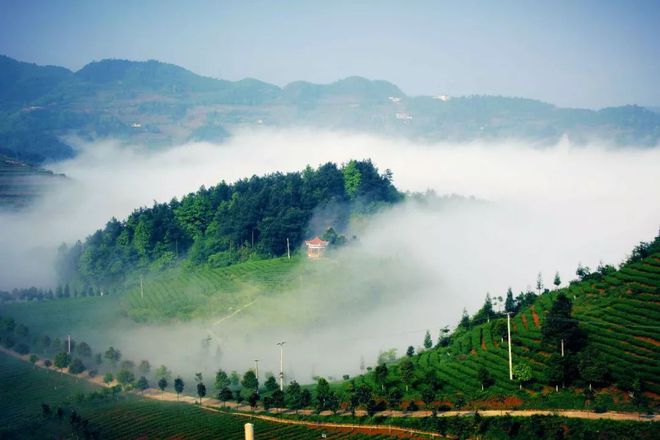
[{"x": 589, "y": 53}]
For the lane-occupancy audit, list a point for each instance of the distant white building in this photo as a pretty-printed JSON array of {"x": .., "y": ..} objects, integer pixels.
[
  {"x": 136, "y": 125},
  {"x": 403, "y": 116},
  {"x": 394, "y": 99},
  {"x": 443, "y": 98}
]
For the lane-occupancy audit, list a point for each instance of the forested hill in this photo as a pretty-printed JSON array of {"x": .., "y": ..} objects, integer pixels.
[{"x": 230, "y": 222}]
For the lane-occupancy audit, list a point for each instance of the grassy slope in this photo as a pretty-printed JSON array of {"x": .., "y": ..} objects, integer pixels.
[
  {"x": 23, "y": 388},
  {"x": 621, "y": 313}
]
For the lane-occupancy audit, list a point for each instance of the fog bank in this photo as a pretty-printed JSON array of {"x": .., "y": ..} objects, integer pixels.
[{"x": 544, "y": 210}]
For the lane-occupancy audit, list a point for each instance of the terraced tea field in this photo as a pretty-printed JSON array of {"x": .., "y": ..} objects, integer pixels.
[{"x": 621, "y": 313}]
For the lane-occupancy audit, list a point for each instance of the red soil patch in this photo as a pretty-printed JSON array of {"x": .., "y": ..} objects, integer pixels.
[
  {"x": 473, "y": 352},
  {"x": 535, "y": 317},
  {"x": 373, "y": 431},
  {"x": 652, "y": 395},
  {"x": 524, "y": 321},
  {"x": 483, "y": 345},
  {"x": 515, "y": 327},
  {"x": 508, "y": 403},
  {"x": 649, "y": 340}
]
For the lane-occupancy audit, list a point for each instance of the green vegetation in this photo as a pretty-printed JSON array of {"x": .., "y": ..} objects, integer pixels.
[
  {"x": 226, "y": 224},
  {"x": 608, "y": 323},
  {"x": 23, "y": 388}
]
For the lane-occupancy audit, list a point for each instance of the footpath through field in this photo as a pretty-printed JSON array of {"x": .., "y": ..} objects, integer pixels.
[{"x": 247, "y": 411}]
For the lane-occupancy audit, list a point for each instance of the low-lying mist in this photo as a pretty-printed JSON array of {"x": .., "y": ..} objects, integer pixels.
[{"x": 543, "y": 210}]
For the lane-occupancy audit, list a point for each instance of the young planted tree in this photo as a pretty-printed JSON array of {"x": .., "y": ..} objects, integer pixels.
[
  {"x": 322, "y": 394},
  {"x": 76, "y": 366},
  {"x": 407, "y": 372},
  {"x": 250, "y": 381},
  {"x": 83, "y": 349},
  {"x": 305, "y": 398},
  {"x": 162, "y": 384},
  {"x": 48, "y": 363},
  {"x": 142, "y": 384},
  {"x": 163, "y": 373},
  {"x": 225, "y": 395},
  {"x": 108, "y": 378},
  {"x": 271, "y": 384},
  {"x": 278, "y": 398},
  {"x": 381, "y": 372},
  {"x": 33, "y": 360},
  {"x": 428, "y": 342},
  {"x": 125, "y": 377},
  {"x": 144, "y": 368},
  {"x": 221, "y": 380},
  {"x": 485, "y": 378},
  {"x": 293, "y": 396},
  {"x": 62, "y": 360},
  {"x": 253, "y": 399},
  {"x": 235, "y": 379},
  {"x": 178, "y": 386},
  {"x": 411, "y": 351},
  {"x": 522, "y": 373},
  {"x": 394, "y": 398},
  {"x": 593, "y": 368},
  {"x": 201, "y": 391},
  {"x": 561, "y": 327},
  {"x": 113, "y": 356}
]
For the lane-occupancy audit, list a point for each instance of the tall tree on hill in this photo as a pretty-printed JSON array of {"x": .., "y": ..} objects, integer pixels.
[
  {"x": 62, "y": 360},
  {"x": 560, "y": 326},
  {"x": 539, "y": 283},
  {"x": 323, "y": 393},
  {"x": 465, "y": 320},
  {"x": 557, "y": 280},
  {"x": 113, "y": 356},
  {"x": 410, "y": 352},
  {"x": 510, "y": 302},
  {"x": 428, "y": 342}
]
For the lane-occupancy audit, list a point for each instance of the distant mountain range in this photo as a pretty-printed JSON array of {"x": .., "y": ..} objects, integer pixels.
[{"x": 162, "y": 104}]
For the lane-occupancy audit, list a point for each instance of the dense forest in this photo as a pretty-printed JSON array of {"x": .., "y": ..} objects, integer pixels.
[{"x": 230, "y": 222}]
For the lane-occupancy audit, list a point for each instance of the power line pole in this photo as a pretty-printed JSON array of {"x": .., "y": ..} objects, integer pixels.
[
  {"x": 508, "y": 330},
  {"x": 68, "y": 337},
  {"x": 562, "y": 348},
  {"x": 141, "y": 288},
  {"x": 288, "y": 249},
  {"x": 281, "y": 344},
  {"x": 256, "y": 368}
]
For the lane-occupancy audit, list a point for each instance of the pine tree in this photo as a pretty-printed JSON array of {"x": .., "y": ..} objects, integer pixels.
[{"x": 428, "y": 342}]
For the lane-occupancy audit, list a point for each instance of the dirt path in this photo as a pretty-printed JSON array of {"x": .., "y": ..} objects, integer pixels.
[{"x": 246, "y": 411}]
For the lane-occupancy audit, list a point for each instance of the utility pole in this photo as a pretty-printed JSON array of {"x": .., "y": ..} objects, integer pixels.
[
  {"x": 141, "y": 288},
  {"x": 281, "y": 344},
  {"x": 288, "y": 249},
  {"x": 68, "y": 344},
  {"x": 508, "y": 330},
  {"x": 562, "y": 348},
  {"x": 256, "y": 372}
]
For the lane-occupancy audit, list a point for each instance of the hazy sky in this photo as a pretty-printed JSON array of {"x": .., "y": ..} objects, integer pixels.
[{"x": 572, "y": 53}]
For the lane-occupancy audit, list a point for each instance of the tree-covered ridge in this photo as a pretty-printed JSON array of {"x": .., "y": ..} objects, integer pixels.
[{"x": 230, "y": 222}]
